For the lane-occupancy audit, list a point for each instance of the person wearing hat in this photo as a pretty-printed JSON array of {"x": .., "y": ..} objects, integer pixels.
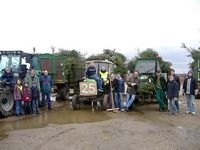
[
  {"x": 91, "y": 73},
  {"x": 161, "y": 88},
  {"x": 190, "y": 88}
]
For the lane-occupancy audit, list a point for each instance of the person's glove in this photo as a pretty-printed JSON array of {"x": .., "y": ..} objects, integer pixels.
[
  {"x": 133, "y": 84},
  {"x": 196, "y": 91}
]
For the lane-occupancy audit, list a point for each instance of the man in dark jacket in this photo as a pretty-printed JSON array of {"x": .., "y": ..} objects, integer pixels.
[
  {"x": 91, "y": 74},
  {"x": 172, "y": 94},
  {"x": 190, "y": 88},
  {"x": 120, "y": 88},
  {"x": 46, "y": 88}
]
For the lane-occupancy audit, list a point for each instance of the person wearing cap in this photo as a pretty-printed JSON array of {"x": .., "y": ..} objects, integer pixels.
[
  {"x": 190, "y": 88},
  {"x": 91, "y": 73},
  {"x": 161, "y": 88},
  {"x": 46, "y": 83}
]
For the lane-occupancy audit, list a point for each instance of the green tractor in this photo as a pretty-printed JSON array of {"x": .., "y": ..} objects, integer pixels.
[
  {"x": 87, "y": 91},
  {"x": 147, "y": 68},
  {"x": 14, "y": 60}
]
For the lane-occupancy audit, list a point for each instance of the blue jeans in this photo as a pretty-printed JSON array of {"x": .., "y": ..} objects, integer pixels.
[
  {"x": 18, "y": 107},
  {"x": 118, "y": 100},
  {"x": 35, "y": 107},
  {"x": 46, "y": 98},
  {"x": 191, "y": 105},
  {"x": 98, "y": 80},
  {"x": 173, "y": 107},
  {"x": 177, "y": 104},
  {"x": 129, "y": 100}
]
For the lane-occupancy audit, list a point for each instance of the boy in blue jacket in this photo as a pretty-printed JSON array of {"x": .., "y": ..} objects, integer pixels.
[{"x": 172, "y": 94}]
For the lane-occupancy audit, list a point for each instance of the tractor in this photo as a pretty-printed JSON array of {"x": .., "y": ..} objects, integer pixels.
[
  {"x": 88, "y": 88},
  {"x": 147, "y": 68},
  {"x": 14, "y": 60}
]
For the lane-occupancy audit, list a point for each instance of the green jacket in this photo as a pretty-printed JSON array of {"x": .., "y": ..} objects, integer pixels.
[
  {"x": 33, "y": 81},
  {"x": 163, "y": 83}
]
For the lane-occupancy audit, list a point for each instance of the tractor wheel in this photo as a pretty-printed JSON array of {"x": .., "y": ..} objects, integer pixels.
[
  {"x": 64, "y": 93},
  {"x": 74, "y": 102},
  {"x": 6, "y": 103},
  {"x": 105, "y": 101}
]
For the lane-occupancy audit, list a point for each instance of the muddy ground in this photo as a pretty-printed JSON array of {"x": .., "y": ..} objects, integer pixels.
[{"x": 144, "y": 128}]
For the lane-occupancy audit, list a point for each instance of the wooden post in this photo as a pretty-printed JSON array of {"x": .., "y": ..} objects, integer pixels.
[{"x": 111, "y": 92}]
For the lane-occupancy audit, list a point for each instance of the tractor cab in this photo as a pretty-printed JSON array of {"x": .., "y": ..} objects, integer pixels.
[
  {"x": 15, "y": 60},
  {"x": 11, "y": 60}
]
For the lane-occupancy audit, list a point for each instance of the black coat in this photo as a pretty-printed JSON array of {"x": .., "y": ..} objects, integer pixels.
[
  {"x": 193, "y": 85},
  {"x": 172, "y": 89}
]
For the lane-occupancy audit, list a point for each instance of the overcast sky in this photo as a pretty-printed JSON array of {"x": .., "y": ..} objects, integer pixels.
[{"x": 90, "y": 26}]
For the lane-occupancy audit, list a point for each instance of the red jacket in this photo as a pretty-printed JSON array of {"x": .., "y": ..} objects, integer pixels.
[{"x": 26, "y": 95}]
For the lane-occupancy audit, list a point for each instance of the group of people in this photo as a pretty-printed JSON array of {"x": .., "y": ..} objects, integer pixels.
[
  {"x": 166, "y": 91},
  {"x": 114, "y": 85},
  {"x": 27, "y": 91}
]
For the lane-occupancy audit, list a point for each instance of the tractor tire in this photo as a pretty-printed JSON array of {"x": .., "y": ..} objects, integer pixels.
[
  {"x": 64, "y": 93},
  {"x": 74, "y": 102},
  {"x": 6, "y": 103},
  {"x": 105, "y": 101}
]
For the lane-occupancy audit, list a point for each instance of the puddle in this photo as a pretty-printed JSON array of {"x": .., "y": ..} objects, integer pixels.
[{"x": 60, "y": 115}]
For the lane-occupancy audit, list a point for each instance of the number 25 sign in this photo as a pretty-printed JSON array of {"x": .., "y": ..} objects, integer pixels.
[{"x": 88, "y": 88}]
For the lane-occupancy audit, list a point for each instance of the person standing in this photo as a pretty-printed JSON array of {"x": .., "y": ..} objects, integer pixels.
[
  {"x": 46, "y": 83},
  {"x": 172, "y": 94},
  {"x": 176, "y": 78},
  {"x": 161, "y": 88},
  {"x": 133, "y": 83},
  {"x": 34, "y": 84},
  {"x": 190, "y": 88},
  {"x": 18, "y": 98},
  {"x": 113, "y": 83},
  {"x": 120, "y": 88},
  {"x": 26, "y": 97}
]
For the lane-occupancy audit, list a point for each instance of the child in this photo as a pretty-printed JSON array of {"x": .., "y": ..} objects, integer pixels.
[
  {"x": 172, "y": 94},
  {"x": 26, "y": 97},
  {"x": 18, "y": 98},
  {"x": 35, "y": 96}
]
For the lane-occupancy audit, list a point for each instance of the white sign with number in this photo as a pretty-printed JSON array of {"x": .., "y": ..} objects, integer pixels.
[{"x": 88, "y": 88}]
